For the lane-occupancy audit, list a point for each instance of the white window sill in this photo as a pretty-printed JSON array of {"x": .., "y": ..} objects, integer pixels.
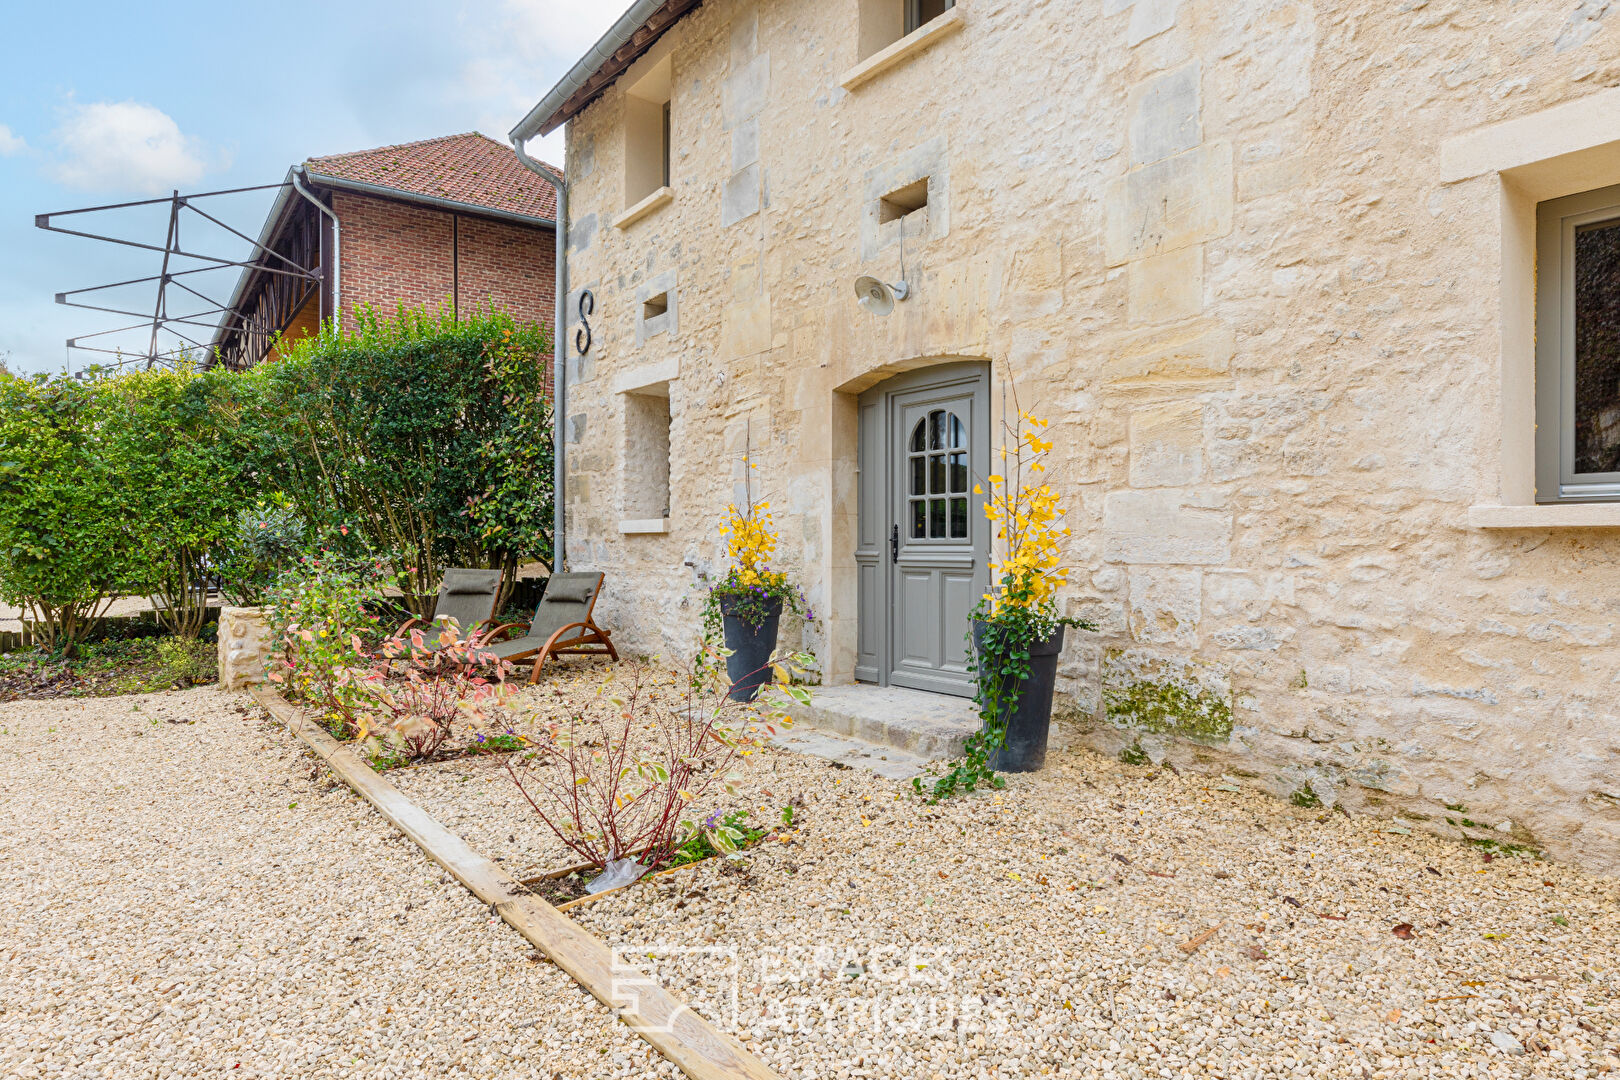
[
  {"x": 644, "y": 526},
  {"x": 924, "y": 37},
  {"x": 654, "y": 202},
  {"x": 1603, "y": 515}
]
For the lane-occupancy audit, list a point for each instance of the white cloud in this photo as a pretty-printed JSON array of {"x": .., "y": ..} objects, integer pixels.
[
  {"x": 520, "y": 50},
  {"x": 9, "y": 143},
  {"x": 126, "y": 145}
]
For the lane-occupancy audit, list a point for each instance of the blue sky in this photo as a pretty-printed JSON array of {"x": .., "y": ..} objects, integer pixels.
[{"x": 107, "y": 102}]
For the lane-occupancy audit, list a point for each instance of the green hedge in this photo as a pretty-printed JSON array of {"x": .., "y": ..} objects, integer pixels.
[
  {"x": 63, "y": 548},
  {"x": 420, "y": 440}
]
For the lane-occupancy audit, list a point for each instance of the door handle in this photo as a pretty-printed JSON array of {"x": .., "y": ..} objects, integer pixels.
[{"x": 894, "y": 543}]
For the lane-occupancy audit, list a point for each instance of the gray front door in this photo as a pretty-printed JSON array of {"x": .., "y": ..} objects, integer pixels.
[{"x": 922, "y": 534}]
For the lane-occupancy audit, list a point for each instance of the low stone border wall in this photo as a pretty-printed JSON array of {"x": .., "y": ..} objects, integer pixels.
[
  {"x": 15, "y": 640},
  {"x": 698, "y": 1049}
]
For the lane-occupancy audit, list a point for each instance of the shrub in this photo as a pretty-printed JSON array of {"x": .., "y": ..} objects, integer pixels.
[
  {"x": 426, "y": 435},
  {"x": 165, "y": 663},
  {"x": 182, "y": 480},
  {"x": 404, "y": 693},
  {"x": 423, "y": 440},
  {"x": 261, "y": 545},
  {"x": 416, "y": 689},
  {"x": 133, "y": 665},
  {"x": 615, "y": 776},
  {"x": 328, "y": 612},
  {"x": 64, "y": 548}
]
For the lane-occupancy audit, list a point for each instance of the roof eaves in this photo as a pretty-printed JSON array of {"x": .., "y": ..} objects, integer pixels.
[
  {"x": 437, "y": 202},
  {"x": 635, "y": 32},
  {"x": 267, "y": 234}
]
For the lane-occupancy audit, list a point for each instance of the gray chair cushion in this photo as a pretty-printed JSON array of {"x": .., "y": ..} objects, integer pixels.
[
  {"x": 467, "y": 596},
  {"x": 458, "y": 582},
  {"x": 570, "y": 588},
  {"x": 504, "y": 649}
]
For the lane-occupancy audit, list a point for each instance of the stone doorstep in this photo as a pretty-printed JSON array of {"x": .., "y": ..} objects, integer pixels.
[{"x": 916, "y": 724}]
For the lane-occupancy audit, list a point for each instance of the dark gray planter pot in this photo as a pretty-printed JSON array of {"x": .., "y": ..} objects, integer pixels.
[
  {"x": 751, "y": 647},
  {"x": 1026, "y": 709}
]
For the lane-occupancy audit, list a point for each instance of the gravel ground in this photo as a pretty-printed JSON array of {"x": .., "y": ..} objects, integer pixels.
[
  {"x": 1062, "y": 926},
  {"x": 1098, "y": 920},
  {"x": 185, "y": 892}
]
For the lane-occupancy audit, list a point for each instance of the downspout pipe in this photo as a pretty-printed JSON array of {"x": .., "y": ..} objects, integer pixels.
[
  {"x": 559, "y": 362},
  {"x": 299, "y": 175}
]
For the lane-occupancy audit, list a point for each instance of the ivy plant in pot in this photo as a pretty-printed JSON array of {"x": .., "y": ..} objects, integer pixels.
[
  {"x": 1016, "y": 632},
  {"x": 745, "y": 607}
]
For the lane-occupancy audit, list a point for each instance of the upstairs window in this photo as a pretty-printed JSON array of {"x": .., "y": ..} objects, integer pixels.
[
  {"x": 919, "y": 12},
  {"x": 1578, "y": 347},
  {"x": 884, "y": 22},
  {"x": 647, "y": 134}
]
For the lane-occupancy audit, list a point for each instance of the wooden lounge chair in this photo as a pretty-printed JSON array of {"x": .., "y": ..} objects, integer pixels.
[
  {"x": 468, "y": 597},
  {"x": 562, "y": 625}
]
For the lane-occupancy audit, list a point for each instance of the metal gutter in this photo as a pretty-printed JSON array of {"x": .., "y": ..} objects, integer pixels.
[
  {"x": 453, "y": 206},
  {"x": 618, "y": 35},
  {"x": 559, "y": 362},
  {"x": 299, "y": 175}
]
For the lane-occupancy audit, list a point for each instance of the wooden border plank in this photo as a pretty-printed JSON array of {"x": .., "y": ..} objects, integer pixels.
[{"x": 697, "y": 1048}]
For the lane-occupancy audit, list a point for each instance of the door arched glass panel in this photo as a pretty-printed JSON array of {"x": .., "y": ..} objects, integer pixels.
[{"x": 937, "y": 471}]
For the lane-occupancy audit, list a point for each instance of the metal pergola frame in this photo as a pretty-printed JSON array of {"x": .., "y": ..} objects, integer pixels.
[{"x": 262, "y": 259}]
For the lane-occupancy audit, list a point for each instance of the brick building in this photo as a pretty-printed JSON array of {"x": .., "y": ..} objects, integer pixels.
[{"x": 455, "y": 221}]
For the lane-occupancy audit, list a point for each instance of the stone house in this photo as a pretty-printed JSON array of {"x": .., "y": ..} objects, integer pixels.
[
  {"x": 455, "y": 221},
  {"x": 1318, "y": 298}
]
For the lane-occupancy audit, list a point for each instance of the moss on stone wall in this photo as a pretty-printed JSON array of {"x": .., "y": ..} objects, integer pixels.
[{"x": 1169, "y": 707}]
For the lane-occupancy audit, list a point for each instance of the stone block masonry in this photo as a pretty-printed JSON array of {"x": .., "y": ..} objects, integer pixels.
[{"x": 1214, "y": 245}]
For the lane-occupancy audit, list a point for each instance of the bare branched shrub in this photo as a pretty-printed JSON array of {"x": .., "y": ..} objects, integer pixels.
[{"x": 613, "y": 776}]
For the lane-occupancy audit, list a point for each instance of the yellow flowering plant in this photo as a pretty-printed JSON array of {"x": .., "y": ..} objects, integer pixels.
[
  {"x": 1020, "y": 610},
  {"x": 751, "y": 590},
  {"x": 1028, "y": 518},
  {"x": 740, "y": 613}
]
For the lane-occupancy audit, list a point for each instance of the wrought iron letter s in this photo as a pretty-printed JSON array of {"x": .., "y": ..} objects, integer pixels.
[{"x": 582, "y": 336}]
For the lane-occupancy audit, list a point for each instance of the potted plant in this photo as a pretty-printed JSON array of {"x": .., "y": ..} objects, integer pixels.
[
  {"x": 746, "y": 605},
  {"x": 1017, "y": 632}
]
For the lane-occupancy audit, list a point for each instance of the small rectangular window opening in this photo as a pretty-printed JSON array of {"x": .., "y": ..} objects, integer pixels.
[
  {"x": 904, "y": 202},
  {"x": 655, "y": 306}
]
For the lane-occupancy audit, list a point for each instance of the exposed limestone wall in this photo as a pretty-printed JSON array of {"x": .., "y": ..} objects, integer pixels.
[{"x": 1212, "y": 243}]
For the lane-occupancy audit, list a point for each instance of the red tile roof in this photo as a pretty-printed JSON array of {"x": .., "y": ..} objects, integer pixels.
[{"x": 470, "y": 168}]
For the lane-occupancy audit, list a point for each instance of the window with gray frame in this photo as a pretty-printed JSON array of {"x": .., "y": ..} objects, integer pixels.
[
  {"x": 919, "y": 12},
  {"x": 1578, "y": 347}
]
